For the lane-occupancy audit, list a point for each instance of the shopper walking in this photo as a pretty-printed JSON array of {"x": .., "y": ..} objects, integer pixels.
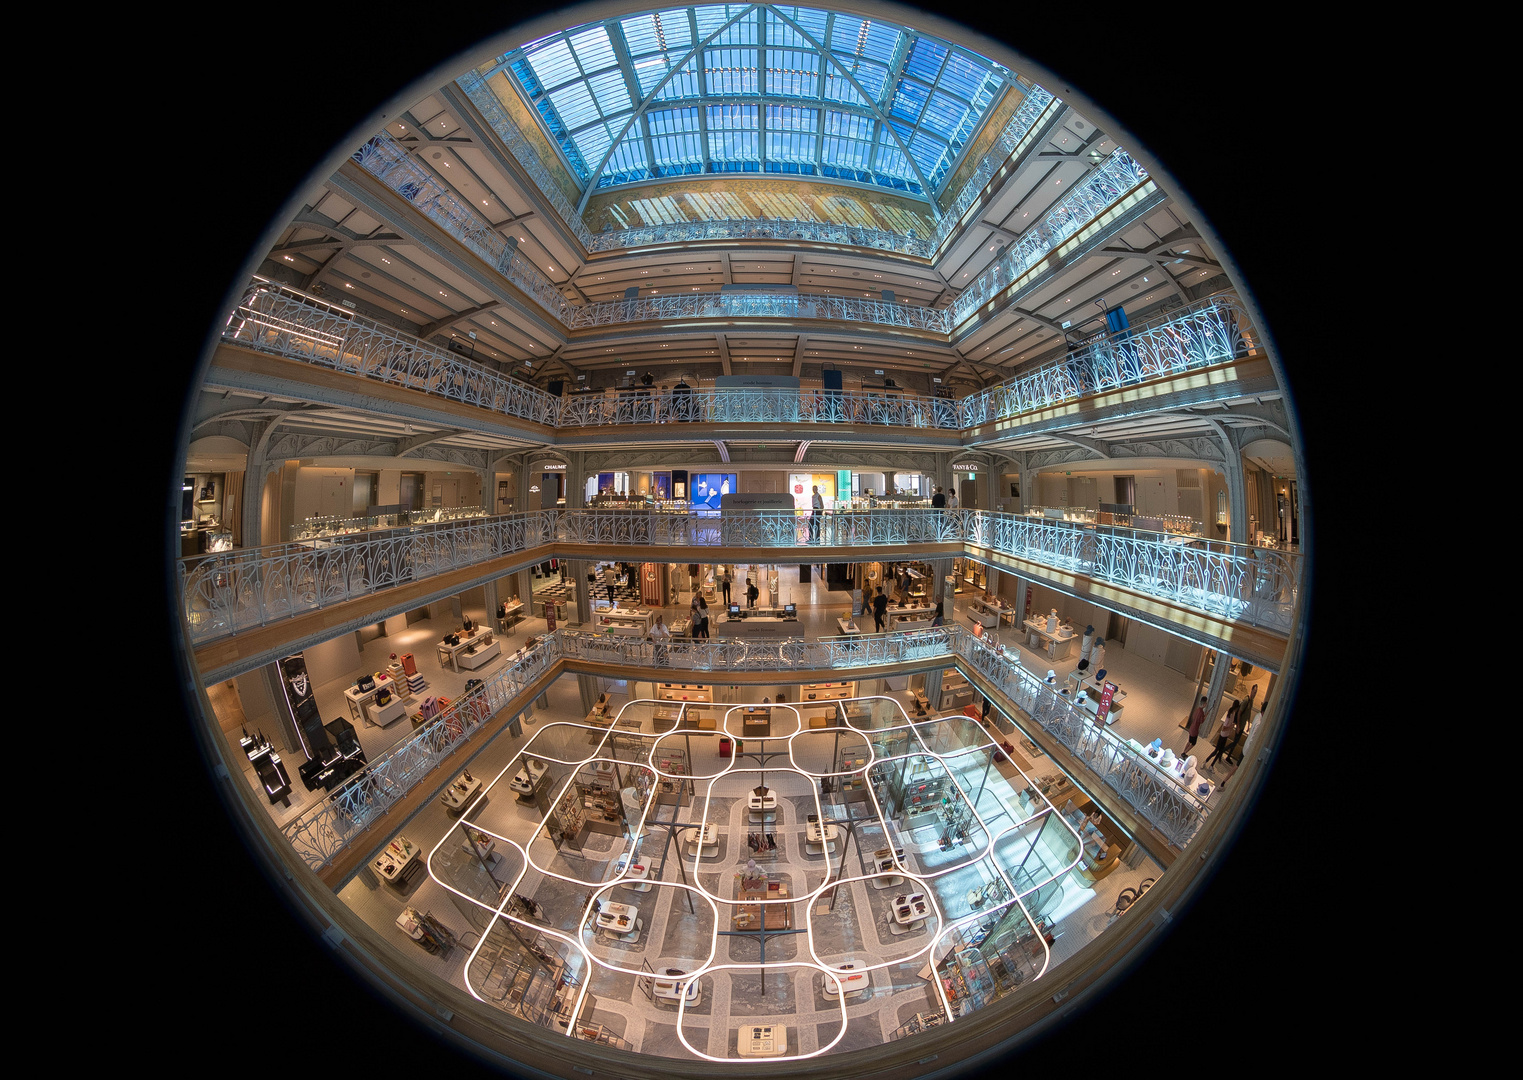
[
  {"x": 752, "y": 592},
  {"x": 724, "y": 587},
  {"x": 701, "y": 618},
  {"x": 904, "y": 586},
  {"x": 1228, "y": 731},
  {"x": 1244, "y": 722},
  {"x": 818, "y": 502},
  {"x": 660, "y": 634},
  {"x": 692, "y": 577},
  {"x": 880, "y": 608},
  {"x": 1197, "y": 718}
]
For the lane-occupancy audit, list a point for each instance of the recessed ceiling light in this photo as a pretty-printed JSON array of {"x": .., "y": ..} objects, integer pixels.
[
  {"x": 288, "y": 258},
  {"x": 386, "y": 261}
]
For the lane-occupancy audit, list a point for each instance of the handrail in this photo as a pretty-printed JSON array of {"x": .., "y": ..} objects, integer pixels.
[
  {"x": 225, "y": 593},
  {"x": 1164, "y": 804},
  {"x": 1095, "y": 193},
  {"x": 322, "y": 831},
  {"x": 820, "y": 232},
  {"x": 691, "y": 305},
  {"x": 283, "y": 321}
]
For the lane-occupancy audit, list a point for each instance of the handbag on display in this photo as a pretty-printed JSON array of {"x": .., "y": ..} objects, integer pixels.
[
  {"x": 452, "y": 639},
  {"x": 383, "y": 698},
  {"x": 366, "y": 683}
]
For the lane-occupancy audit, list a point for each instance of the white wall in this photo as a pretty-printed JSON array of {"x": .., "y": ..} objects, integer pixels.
[
  {"x": 321, "y": 492},
  {"x": 334, "y": 659}
]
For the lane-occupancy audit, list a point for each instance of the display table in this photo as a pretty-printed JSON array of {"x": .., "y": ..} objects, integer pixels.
[
  {"x": 848, "y": 627},
  {"x": 396, "y": 864},
  {"x": 909, "y": 913},
  {"x": 459, "y": 794},
  {"x": 1172, "y": 772},
  {"x": 665, "y": 717},
  {"x": 512, "y": 613},
  {"x": 819, "y": 839},
  {"x": 600, "y": 716},
  {"x": 473, "y": 660},
  {"x": 449, "y": 654},
  {"x": 916, "y": 618},
  {"x": 752, "y": 916},
  {"x": 389, "y": 713},
  {"x": 360, "y": 700},
  {"x": 704, "y": 842},
  {"x": 988, "y": 613},
  {"x": 681, "y": 628},
  {"x": 621, "y": 921},
  {"x": 528, "y": 778},
  {"x": 852, "y": 982},
  {"x": 755, "y": 722},
  {"x": 624, "y": 622},
  {"x": 635, "y": 880},
  {"x": 759, "y": 622},
  {"x": 765, "y": 1040},
  {"x": 1057, "y": 645},
  {"x": 668, "y": 988},
  {"x": 885, "y": 865},
  {"x": 1078, "y": 680},
  {"x": 479, "y": 843},
  {"x": 762, "y": 807}
]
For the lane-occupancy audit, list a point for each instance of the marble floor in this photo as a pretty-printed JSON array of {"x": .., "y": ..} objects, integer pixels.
[{"x": 852, "y": 923}]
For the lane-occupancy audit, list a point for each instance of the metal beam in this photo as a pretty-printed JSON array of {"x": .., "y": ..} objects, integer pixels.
[{"x": 408, "y": 445}]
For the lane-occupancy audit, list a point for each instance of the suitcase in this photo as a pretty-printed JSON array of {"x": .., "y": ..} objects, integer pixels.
[{"x": 409, "y": 665}]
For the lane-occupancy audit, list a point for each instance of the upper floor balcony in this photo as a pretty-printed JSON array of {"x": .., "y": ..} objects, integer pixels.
[{"x": 277, "y": 320}]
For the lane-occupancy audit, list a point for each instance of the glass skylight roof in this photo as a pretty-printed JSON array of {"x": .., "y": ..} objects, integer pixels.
[{"x": 756, "y": 88}]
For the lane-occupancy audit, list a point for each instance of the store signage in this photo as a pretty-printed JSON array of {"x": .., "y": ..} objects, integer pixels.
[
  {"x": 755, "y": 501},
  {"x": 1105, "y": 701},
  {"x": 549, "y": 617},
  {"x": 967, "y": 466},
  {"x": 547, "y": 466}
]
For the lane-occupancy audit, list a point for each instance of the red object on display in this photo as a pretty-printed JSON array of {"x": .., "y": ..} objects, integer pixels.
[
  {"x": 724, "y": 747},
  {"x": 1105, "y": 701},
  {"x": 549, "y": 618},
  {"x": 409, "y": 665}
]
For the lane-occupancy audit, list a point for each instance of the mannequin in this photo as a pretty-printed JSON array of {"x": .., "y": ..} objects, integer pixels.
[
  {"x": 1085, "y": 645},
  {"x": 1097, "y": 658},
  {"x": 1052, "y": 621},
  {"x": 1052, "y": 677}
]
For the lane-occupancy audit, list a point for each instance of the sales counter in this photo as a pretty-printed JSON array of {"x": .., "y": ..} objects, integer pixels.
[{"x": 759, "y": 622}]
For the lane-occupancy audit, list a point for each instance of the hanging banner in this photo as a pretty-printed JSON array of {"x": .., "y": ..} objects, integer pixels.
[{"x": 549, "y": 616}]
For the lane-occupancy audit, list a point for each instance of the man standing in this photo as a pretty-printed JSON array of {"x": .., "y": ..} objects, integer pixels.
[
  {"x": 818, "y": 502},
  {"x": 724, "y": 586},
  {"x": 938, "y": 500},
  {"x": 904, "y": 586},
  {"x": 752, "y": 592},
  {"x": 880, "y": 608}
]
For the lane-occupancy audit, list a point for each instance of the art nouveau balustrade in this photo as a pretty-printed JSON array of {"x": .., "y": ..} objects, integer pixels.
[
  {"x": 1165, "y": 805},
  {"x": 229, "y": 592},
  {"x": 280, "y": 321},
  {"x": 1242, "y": 583},
  {"x": 326, "y": 828}
]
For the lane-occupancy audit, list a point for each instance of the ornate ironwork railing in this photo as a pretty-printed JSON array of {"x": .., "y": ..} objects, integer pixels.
[
  {"x": 1209, "y": 332},
  {"x": 232, "y": 591},
  {"x": 1097, "y": 192},
  {"x": 283, "y": 321},
  {"x": 276, "y": 319},
  {"x": 325, "y": 829},
  {"x": 389, "y": 163},
  {"x": 1163, "y": 803},
  {"x": 1021, "y": 125},
  {"x": 758, "y": 405},
  {"x": 1247, "y": 584},
  {"x": 693, "y": 305},
  {"x": 819, "y": 232}
]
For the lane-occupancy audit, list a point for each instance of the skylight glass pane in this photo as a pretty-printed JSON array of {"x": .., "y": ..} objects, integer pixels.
[
  {"x": 944, "y": 115},
  {"x": 891, "y": 162},
  {"x": 553, "y": 63},
  {"x": 873, "y": 77},
  {"x": 909, "y": 98},
  {"x": 792, "y": 72},
  {"x": 712, "y": 17},
  {"x": 925, "y": 59},
  {"x": 684, "y": 84},
  {"x": 927, "y": 151},
  {"x": 575, "y": 105},
  {"x": 790, "y": 133},
  {"x": 782, "y": 34},
  {"x": 593, "y": 49},
  {"x": 740, "y": 32},
  {"x": 812, "y": 20},
  {"x": 658, "y": 31},
  {"x": 594, "y": 142},
  {"x": 839, "y": 88},
  {"x": 628, "y": 159},
  {"x": 963, "y": 75},
  {"x": 611, "y": 91},
  {"x": 731, "y": 71},
  {"x": 734, "y": 146}
]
